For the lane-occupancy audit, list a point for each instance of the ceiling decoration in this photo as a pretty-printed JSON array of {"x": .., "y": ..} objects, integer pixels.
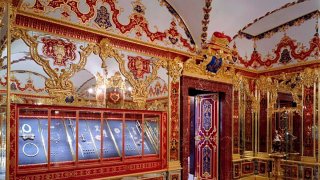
[
  {"x": 206, "y": 9},
  {"x": 281, "y": 28},
  {"x": 116, "y": 17},
  {"x": 17, "y": 85},
  {"x": 179, "y": 19},
  {"x": 286, "y": 50},
  {"x": 275, "y": 12}
]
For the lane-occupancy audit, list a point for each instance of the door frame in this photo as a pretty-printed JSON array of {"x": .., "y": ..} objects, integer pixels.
[{"x": 225, "y": 124}]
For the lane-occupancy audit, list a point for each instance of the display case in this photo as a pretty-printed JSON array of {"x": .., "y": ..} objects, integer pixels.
[{"x": 55, "y": 139}]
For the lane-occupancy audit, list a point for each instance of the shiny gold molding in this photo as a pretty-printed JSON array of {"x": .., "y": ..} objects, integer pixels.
[
  {"x": 139, "y": 93},
  {"x": 309, "y": 76},
  {"x": 116, "y": 81},
  {"x": 175, "y": 68},
  {"x": 158, "y": 105},
  {"x": 218, "y": 47},
  {"x": 58, "y": 85},
  {"x": 225, "y": 73},
  {"x": 292, "y": 83}
]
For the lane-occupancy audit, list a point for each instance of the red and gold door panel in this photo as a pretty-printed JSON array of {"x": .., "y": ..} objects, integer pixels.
[{"x": 207, "y": 136}]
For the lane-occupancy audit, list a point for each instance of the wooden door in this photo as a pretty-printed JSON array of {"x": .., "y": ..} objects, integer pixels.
[{"x": 207, "y": 136}]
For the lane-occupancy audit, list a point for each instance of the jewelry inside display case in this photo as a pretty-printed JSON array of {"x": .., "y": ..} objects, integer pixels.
[{"x": 54, "y": 139}]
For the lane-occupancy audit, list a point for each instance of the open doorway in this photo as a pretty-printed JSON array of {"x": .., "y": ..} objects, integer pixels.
[
  {"x": 204, "y": 116},
  {"x": 225, "y": 124}
]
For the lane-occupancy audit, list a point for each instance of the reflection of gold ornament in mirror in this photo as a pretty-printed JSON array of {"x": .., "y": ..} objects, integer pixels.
[
  {"x": 59, "y": 52},
  {"x": 116, "y": 81}
]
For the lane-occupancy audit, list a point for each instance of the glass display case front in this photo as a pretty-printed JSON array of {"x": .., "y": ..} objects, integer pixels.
[{"x": 49, "y": 136}]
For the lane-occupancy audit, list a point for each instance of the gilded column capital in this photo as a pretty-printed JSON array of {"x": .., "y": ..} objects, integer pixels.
[{"x": 309, "y": 77}]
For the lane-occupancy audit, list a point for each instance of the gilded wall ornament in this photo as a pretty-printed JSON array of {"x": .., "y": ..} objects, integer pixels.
[
  {"x": 175, "y": 69},
  {"x": 58, "y": 84},
  {"x": 309, "y": 76},
  {"x": 139, "y": 66},
  {"x": 140, "y": 86}
]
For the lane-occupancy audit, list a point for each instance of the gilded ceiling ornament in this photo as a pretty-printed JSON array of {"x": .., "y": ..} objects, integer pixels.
[
  {"x": 206, "y": 19},
  {"x": 58, "y": 85}
]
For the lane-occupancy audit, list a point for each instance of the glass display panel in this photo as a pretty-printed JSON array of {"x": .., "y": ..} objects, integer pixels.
[
  {"x": 133, "y": 135},
  {"x": 151, "y": 134},
  {"x": 89, "y": 142},
  {"x": 32, "y": 142},
  {"x": 113, "y": 136},
  {"x": 62, "y": 136}
]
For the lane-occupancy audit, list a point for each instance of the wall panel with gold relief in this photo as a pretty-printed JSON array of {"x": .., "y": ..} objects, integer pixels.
[
  {"x": 77, "y": 72},
  {"x": 48, "y": 69}
]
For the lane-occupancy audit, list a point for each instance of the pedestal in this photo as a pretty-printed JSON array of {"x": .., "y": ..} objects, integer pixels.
[{"x": 277, "y": 160}]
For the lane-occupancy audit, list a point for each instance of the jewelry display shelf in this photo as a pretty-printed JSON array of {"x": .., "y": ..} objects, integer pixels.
[{"x": 50, "y": 141}]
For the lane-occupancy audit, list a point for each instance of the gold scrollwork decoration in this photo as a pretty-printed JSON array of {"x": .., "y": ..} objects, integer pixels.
[
  {"x": 175, "y": 69},
  {"x": 309, "y": 76},
  {"x": 139, "y": 93},
  {"x": 58, "y": 85}
]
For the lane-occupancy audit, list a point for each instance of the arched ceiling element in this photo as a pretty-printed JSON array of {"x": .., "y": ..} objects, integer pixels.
[
  {"x": 149, "y": 21},
  {"x": 287, "y": 14},
  {"x": 231, "y": 16}
]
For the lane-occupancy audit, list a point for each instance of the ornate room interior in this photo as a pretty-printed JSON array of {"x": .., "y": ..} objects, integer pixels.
[{"x": 159, "y": 89}]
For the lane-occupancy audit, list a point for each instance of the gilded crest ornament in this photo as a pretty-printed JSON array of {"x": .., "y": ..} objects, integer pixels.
[
  {"x": 59, "y": 50},
  {"x": 138, "y": 66}
]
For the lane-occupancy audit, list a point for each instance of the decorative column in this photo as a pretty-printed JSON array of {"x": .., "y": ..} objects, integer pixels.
[
  {"x": 236, "y": 124},
  {"x": 308, "y": 78},
  {"x": 174, "y": 69}
]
